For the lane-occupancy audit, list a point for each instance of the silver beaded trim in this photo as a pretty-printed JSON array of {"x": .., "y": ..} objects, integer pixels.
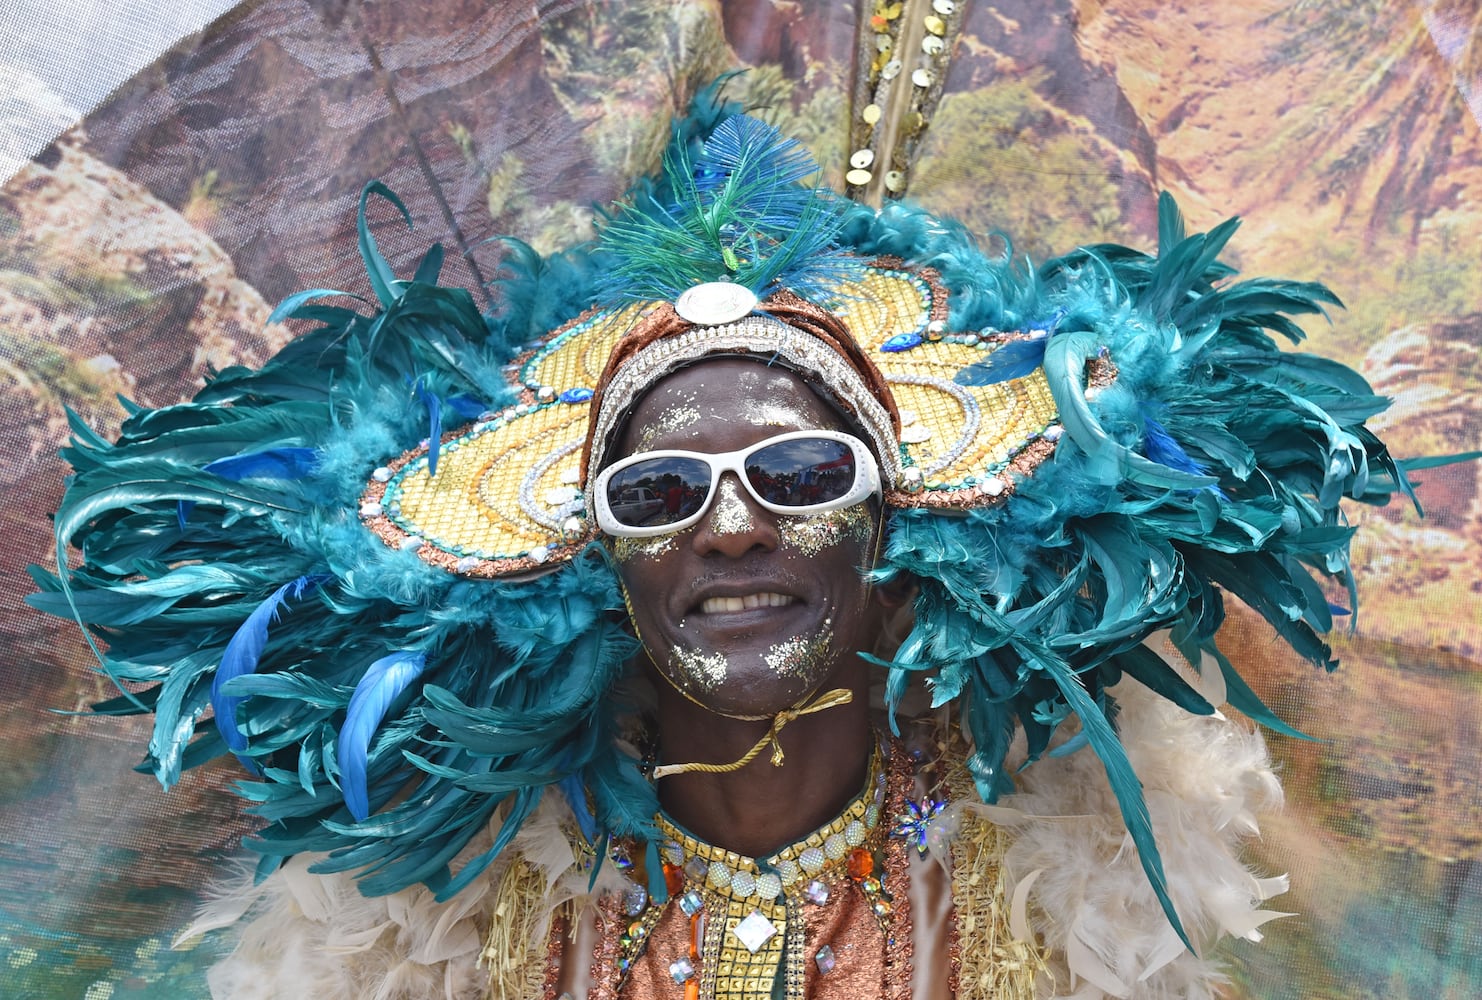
[
  {"x": 537, "y": 511},
  {"x": 765, "y": 337},
  {"x": 972, "y": 416}
]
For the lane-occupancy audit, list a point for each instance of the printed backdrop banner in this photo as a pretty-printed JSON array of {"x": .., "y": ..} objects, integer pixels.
[{"x": 148, "y": 242}]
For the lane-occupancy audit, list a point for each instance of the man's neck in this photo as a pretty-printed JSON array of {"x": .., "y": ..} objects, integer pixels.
[{"x": 761, "y": 807}]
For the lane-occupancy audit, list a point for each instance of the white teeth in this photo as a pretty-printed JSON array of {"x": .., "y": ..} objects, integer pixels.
[{"x": 720, "y": 605}]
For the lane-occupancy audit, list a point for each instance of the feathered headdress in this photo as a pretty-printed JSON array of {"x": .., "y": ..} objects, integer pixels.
[{"x": 310, "y": 566}]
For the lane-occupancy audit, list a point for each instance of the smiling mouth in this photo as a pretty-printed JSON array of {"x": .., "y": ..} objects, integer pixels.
[{"x": 748, "y": 602}]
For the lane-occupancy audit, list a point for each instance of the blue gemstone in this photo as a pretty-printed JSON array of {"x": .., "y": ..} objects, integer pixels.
[
  {"x": 901, "y": 342},
  {"x": 576, "y": 395}
]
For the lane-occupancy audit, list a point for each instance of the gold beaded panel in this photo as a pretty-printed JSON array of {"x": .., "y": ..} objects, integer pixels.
[
  {"x": 505, "y": 492},
  {"x": 505, "y": 498},
  {"x": 573, "y": 359},
  {"x": 965, "y": 440},
  {"x": 483, "y": 514}
]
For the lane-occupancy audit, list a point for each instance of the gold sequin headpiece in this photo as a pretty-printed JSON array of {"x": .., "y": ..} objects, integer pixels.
[{"x": 507, "y": 500}]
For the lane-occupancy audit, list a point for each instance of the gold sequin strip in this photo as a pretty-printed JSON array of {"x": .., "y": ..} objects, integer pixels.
[
  {"x": 795, "y": 862},
  {"x": 730, "y": 887},
  {"x": 905, "y": 47},
  {"x": 896, "y": 922}
]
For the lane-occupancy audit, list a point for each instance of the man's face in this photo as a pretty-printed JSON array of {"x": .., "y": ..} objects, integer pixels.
[{"x": 746, "y": 612}]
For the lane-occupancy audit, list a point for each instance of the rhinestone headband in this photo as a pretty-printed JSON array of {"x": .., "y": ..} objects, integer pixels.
[{"x": 760, "y": 336}]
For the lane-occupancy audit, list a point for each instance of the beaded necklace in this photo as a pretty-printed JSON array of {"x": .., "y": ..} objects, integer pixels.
[{"x": 748, "y": 917}]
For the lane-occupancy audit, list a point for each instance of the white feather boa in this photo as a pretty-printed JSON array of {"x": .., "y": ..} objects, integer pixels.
[
  {"x": 1074, "y": 879},
  {"x": 315, "y": 936}
]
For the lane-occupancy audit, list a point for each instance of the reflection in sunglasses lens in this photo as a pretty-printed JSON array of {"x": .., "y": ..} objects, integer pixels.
[
  {"x": 658, "y": 491},
  {"x": 802, "y": 472}
]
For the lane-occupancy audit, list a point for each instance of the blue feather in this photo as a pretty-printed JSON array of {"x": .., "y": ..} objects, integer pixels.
[
  {"x": 243, "y": 651},
  {"x": 1011, "y": 360},
  {"x": 467, "y": 406},
  {"x": 576, "y": 796},
  {"x": 383, "y": 682},
  {"x": 435, "y": 424},
  {"x": 270, "y": 463},
  {"x": 744, "y": 151}
]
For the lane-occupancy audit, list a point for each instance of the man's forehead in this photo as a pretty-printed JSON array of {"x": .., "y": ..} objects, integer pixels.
[{"x": 734, "y": 391}]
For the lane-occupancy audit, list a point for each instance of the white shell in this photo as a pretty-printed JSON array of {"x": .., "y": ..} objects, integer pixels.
[{"x": 715, "y": 302}]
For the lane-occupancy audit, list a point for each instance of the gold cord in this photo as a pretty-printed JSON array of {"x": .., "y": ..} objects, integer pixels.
[{"x": 829, "y": 699}]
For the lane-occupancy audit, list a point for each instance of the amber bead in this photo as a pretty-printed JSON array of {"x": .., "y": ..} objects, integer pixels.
[
  {"x": 692, "y": 989},
  {"x": 861, "y": 863},
  {"x": 673, "y": 878}
]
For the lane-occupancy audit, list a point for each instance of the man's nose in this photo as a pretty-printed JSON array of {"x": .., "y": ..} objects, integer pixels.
[{"x": 735, "y": 523}]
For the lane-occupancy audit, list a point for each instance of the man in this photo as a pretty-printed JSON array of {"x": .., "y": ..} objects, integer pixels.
[{"x": 417, "y": 638}]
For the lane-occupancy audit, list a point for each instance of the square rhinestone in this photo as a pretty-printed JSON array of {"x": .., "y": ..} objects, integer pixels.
[
  {"x": 755, "y": 931},
  {"x": 816, "y": 892},
  {"x": 825, "y": 959},
  {"x": 691, "y": 903},
  {"x": 682, "y": 969}
]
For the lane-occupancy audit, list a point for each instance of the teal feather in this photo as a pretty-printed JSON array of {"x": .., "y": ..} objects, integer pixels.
[
  {"x": 382, "y": 279},
  {"x": 737, "y": 212},
  {"x": 1124, "y": 783}
]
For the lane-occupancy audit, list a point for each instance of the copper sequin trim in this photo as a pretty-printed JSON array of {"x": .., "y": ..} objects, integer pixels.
[
  {"x": 554, "y": 951},
  {"x": 898, "y": 944}
]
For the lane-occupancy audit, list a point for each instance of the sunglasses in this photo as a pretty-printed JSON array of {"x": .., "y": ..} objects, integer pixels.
[{"x": 801, "y": 472}]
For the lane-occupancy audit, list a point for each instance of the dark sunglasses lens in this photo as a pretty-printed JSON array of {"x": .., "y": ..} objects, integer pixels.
[
  {"x": 802, "y": 472},
  {"x": 658, "y": 491}
]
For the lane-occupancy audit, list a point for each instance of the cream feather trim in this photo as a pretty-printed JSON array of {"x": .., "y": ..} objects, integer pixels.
[
  {"x": 309, "y": 935},
  {"x": 1074, "y": 881},
  {"x": 1073, "y": 875}
]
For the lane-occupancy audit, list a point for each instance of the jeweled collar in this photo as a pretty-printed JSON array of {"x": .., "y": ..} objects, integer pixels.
[{"x": 825, "y": 854}]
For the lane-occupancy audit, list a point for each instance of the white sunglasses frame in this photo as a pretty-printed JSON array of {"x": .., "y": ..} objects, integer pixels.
[{"x": 866, "y": 482}]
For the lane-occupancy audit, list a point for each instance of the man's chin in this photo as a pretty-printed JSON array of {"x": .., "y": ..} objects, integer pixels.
[{"x": 752, "y": 688}]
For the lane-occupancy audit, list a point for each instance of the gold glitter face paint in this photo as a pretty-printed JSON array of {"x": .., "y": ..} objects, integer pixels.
[
  {"x": 731, "y": 515},
  {"x": 626, "y": 550},
  {"x": 811, "y": 534},
  {"x": 691, "y": 668},
  {"x": 803, "y": 657}
]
